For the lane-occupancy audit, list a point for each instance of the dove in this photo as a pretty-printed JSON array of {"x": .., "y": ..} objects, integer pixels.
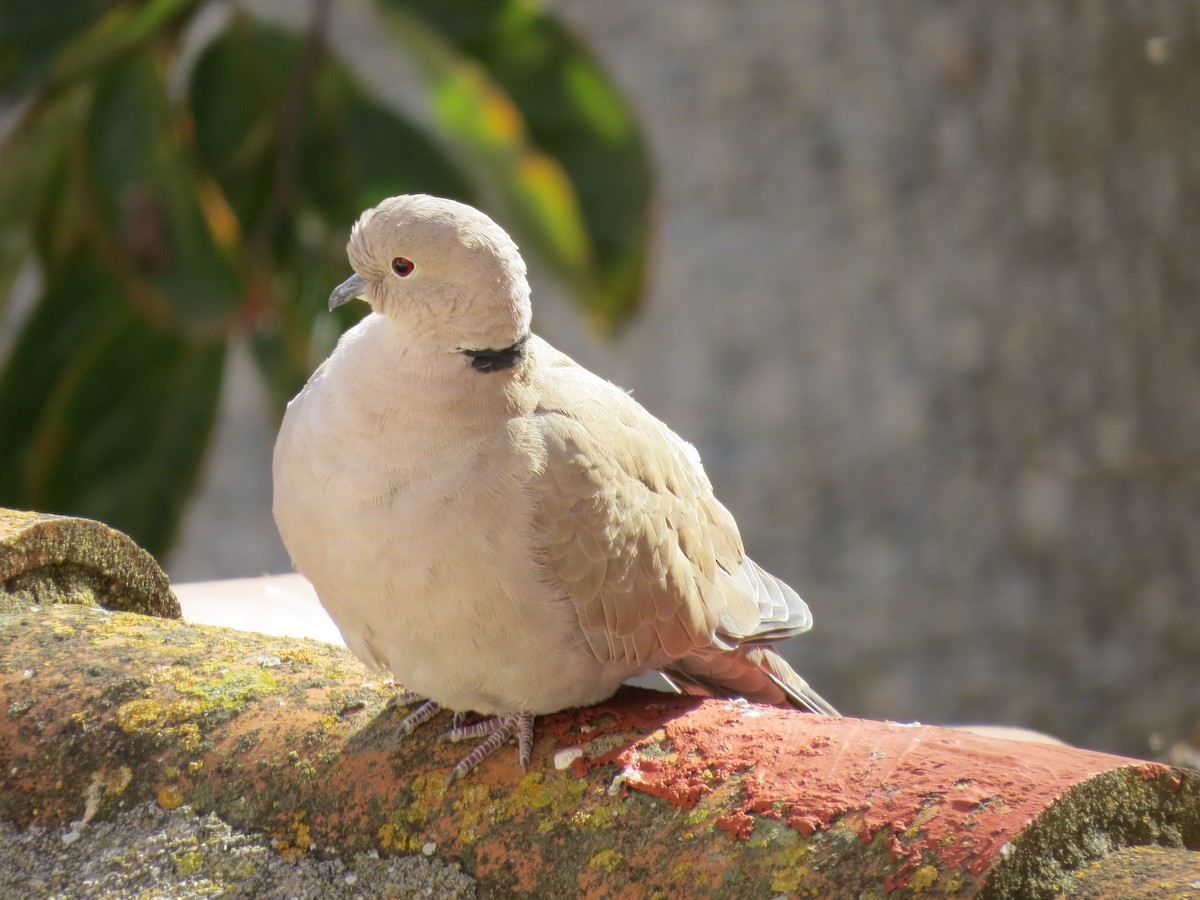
[{"x": 502, "y": 530}]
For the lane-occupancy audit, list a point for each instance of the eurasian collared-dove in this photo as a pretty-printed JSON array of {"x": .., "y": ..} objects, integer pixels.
[{"x": 504, "y": 531}]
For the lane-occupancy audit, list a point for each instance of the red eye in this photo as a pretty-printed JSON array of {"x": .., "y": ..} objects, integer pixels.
[{"x": 402, "y": 266}]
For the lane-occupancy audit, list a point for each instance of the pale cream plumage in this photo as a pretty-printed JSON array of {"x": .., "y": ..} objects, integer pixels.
[{"x": 502, "y": 529}]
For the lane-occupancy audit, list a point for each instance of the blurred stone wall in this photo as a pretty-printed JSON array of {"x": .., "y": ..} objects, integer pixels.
[{"x": 927, "y": 299}]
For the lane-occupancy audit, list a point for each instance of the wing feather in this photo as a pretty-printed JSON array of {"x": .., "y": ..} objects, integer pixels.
[{"x": 630, "y": 528}]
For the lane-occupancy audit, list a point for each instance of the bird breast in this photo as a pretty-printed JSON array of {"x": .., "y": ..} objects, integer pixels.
[{"x": 424, "y": 553}]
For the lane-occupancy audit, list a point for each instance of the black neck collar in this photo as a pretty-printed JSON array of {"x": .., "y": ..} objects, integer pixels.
[{"x": 497, "y": 360}]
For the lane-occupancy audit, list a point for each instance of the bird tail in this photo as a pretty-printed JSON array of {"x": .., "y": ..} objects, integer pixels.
[{"x": 756, "y": 673}]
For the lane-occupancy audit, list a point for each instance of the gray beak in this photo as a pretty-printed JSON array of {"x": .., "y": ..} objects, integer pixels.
[{"x": 350, "y": 289}]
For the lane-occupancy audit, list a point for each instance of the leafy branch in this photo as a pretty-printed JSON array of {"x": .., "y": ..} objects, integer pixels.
[{"x": 174, "y": 202}]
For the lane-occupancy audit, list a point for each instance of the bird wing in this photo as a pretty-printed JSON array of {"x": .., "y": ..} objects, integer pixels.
[{"x": 628, "y": 524}]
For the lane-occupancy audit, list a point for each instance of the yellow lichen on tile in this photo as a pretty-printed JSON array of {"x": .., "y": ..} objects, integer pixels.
[
  {"x": 189, "y": 736},
  {"x": 923, "y": 878},
  {"x": 139, "y": 715},
  {"x": 538, "y": 791},
  {"x": 606, "y": 861},
  {"x": 788, "y": 873},
  {"x": 82, "y": 720},
  {"x": 405, "y": 827},
  {"x": 473, "y": 801},
  {"x": 303, "y": 839},
  {"x": 149, "y": 716},
  {"x": 123, "y": 779},
  {"x": 595, "y": 816},
  {"x": 188, "y": 863},
  {"x": 387, "y": 836},
  {"x": 298, "y": 842},
  {"x": 227, "y": 690},
  {"x": 170, "y": 797},
  {"x": 304, "y": 656}
]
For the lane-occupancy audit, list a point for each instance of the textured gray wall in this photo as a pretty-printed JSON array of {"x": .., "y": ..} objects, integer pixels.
[{"x": 926, "y": 299}]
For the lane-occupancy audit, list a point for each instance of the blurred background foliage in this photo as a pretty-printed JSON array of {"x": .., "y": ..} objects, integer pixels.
[{"x": 177, "y": 173}]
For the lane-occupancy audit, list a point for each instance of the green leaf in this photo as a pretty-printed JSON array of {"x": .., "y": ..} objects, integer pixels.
[
  {"x": 105, "y": 415},
  {"x": 32, "y": 164},
  {"x": 530, "y": 103},
  {"x": 152, "y": 221},
  {"x": 125, "y": 28},
  {"x": 375, "y": 153},
  {"x": 351, "y": 152},
  {"x": 162, "y": 225},
  {"x": 303, "y": 331},
  {"x": 32, "y": 34},
  {"x": 235, "y": 94},
  {"x": 54, "y": 44}
]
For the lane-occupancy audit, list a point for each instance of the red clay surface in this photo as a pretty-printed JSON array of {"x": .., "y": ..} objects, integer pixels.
[{"x": 956, "y": 794}]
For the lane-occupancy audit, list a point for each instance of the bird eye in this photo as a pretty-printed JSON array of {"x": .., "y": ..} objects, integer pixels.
[{"x": 402, "y": 266}]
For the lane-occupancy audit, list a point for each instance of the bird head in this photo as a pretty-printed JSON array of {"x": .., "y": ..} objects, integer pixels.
[{"x": 441, "y": 271}]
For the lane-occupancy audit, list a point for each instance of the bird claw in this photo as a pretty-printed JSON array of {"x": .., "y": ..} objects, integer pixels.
[
  {"x": 405, "y": 698},
  {"x": 482, "y": 728},
  {"x": 417, "y": 718},
  {"x": 495, "y": 730}
]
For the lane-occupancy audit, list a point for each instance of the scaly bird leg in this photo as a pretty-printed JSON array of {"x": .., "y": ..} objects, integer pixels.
[
  {"x": 409, "y": 725},
  {"x": 497, "y": 729},
  {"x": 407, "y": 697},
  {"x": 404, "y": 698},
  {"x": 418, "y": 717}
]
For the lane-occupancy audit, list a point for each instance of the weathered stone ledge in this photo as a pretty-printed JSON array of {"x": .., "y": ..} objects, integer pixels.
[
  {"x": 647, "y": 795},
  {"x": 62, "y": 559}
]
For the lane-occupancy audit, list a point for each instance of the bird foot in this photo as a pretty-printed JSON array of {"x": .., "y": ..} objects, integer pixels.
[
  {"x": 417, "y": 718},
  {"x": 405, "y": 698},
  {"x": 495, "y": 732}
]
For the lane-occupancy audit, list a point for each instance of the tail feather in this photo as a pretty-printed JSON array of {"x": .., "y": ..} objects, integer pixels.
[
  {"x": 798, "y": 691},
  {"x": 777, "y": 613},
  {"x": 756, "y": 673}
]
